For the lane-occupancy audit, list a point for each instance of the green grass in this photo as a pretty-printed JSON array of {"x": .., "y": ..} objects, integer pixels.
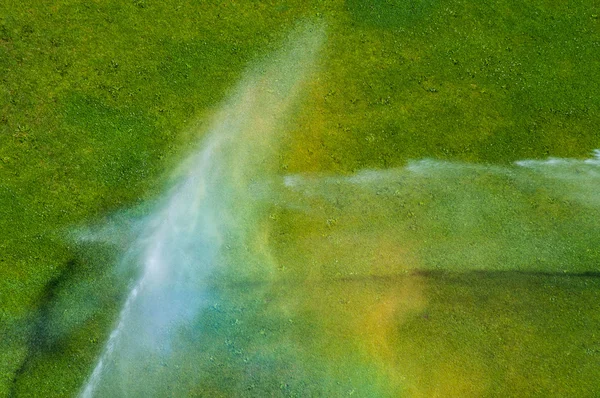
[{"x": 96, "y": 100}]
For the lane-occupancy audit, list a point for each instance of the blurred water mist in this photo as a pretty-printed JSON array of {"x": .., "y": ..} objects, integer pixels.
[
  {"x": 533, "y": 216},
  {"x": 206, "y": 228},
  {"x": 220, "y": 307}
]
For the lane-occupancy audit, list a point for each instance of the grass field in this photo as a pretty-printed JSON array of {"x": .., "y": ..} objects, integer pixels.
[{"x": 101, "y": 99}]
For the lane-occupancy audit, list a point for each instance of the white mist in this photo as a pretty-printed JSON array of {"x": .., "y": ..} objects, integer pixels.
[{"x": 188, "y": 240}]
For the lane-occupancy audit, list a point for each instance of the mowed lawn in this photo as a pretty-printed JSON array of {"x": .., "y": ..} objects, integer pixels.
[{"x": 96, "y": 103}]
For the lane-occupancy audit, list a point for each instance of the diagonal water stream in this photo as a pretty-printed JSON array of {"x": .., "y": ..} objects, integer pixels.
[{"x": 201, "y": 229}]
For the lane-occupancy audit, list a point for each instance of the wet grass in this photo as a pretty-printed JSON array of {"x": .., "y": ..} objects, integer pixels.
[{"x": 95, "y": 98}]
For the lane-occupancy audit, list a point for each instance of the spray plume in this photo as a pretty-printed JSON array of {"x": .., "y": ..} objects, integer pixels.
[
  {"x": 204, "y": 229},
  {"x": 533, "y": 216},
  {"x": 182, "y": 330}
]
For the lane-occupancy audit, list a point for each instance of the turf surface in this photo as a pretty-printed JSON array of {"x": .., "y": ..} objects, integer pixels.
[{"x": 96, "y": 103}]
